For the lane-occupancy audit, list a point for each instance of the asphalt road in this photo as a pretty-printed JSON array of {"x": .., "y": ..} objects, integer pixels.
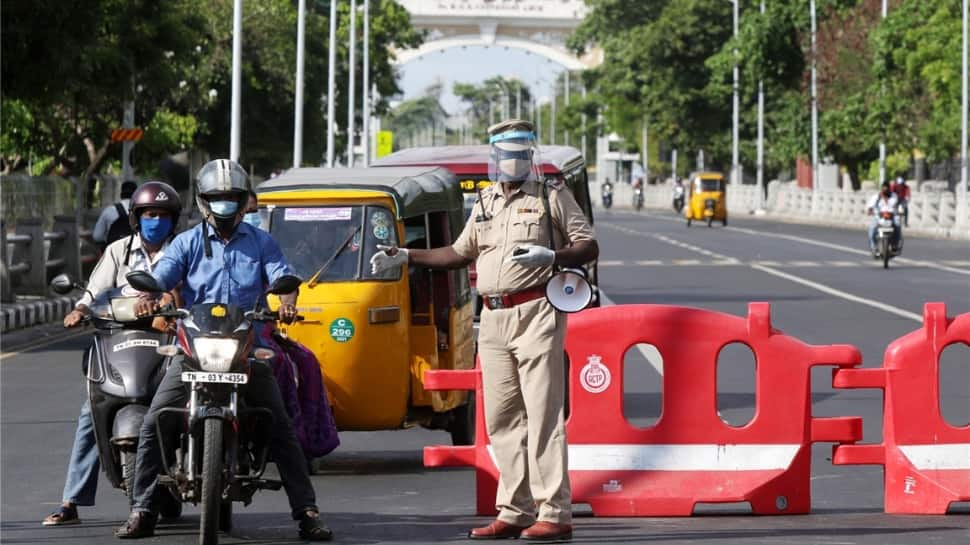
[{"x": 822, "y": 287}]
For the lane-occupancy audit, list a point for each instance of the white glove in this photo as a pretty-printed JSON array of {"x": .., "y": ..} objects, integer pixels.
[
  {"x": 534, "y": 256},
  {"x": 387, "y": 258}
]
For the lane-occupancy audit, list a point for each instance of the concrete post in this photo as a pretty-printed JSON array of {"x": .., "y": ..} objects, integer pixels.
[
  {"x": 70, "y": 247},
  {"x": 35, "y": 281},
  {"x": 6, "y": 290}
]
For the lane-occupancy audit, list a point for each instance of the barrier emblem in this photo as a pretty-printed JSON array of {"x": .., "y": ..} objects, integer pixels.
[{"x": 595, "y": 377}]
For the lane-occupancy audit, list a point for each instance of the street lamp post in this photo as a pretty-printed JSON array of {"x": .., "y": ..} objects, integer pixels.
[
  {"x": 351, "y": 83},
  {"x": 365, "y": 106},
  {"x": 882, "y": 141},
  {"x": 811, "y": 8},
  {"x": 236, "y": 80},
  {"x": 735, "y": 161},
  {"x": 963, "y": 107},
  {"x": 566, "y": 94},
  {"x": 331, "y": 74},
  {"x": 761, "y": 137},
  {"x": 298, "y": 99}
]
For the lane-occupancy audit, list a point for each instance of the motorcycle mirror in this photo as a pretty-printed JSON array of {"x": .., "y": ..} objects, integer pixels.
[
  {"x": 142, "y": 281},
  {"x": 285, "y": 284},
  {"x": 62, "y": 284}
]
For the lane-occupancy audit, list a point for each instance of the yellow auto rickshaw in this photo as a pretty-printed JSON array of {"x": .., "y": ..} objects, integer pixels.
[
  {"x": 376, "y": 334},
  {"x": 706, "y": 200}
]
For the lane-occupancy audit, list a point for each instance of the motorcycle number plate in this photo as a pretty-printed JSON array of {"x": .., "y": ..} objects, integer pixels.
[{"x": 226, "y": 378}]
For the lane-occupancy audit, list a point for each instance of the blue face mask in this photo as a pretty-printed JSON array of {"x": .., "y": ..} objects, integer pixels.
[
  {"x": 224, "y": 208},
  {"x": 155, "y": 230},
  {"x": 253, "y": 219}
]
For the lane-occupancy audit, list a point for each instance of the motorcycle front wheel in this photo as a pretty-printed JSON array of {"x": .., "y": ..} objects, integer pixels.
[
  {"x": 211, "y": 482},
  {"x": 884, "y": 250}
]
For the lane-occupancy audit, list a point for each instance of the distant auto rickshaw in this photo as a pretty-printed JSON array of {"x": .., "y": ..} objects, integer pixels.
[
  {"x": 706, "y": 200},
  {"x": 376, "y": 334}
]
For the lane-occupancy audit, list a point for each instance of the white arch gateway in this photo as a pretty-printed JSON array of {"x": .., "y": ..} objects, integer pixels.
[{"x": 536, "y": 26}]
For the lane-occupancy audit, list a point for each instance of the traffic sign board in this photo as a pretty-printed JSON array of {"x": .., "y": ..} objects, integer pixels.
[
  {"x": 126, "y": 135},
  {"x": 385, "y": 141}
]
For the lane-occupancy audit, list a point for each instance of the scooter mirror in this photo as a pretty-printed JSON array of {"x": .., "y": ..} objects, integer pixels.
[
  {"x": 285, "y": 284},
  {"x": 142, "y": 281},
  {"x": 62, "y": 284}
]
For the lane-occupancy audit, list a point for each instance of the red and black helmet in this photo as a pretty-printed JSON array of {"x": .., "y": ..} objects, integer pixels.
[{"x": 153, "y": 195}]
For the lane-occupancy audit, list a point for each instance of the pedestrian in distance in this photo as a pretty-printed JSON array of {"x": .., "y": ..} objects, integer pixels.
[
  {"x": 154, "y": 212},
  {"x": 224, "y": 260},
  {"x": 112, "y": 224},
  {"x": 521, "y": 227}
]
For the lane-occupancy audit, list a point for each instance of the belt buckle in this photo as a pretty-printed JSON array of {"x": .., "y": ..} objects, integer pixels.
[{"x": 495, "y": 302}]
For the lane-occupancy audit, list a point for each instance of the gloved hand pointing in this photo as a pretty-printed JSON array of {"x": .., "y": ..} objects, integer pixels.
[
  {"x": 533, "y": 256},
  {"x": 387, "y": 258}
]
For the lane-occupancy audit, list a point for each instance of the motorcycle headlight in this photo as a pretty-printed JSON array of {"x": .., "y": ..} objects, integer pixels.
[{"x": 215, "y": 355}]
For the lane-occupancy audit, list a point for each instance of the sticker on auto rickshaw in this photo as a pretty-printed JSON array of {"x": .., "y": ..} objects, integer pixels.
[
  {"x": 318, "y": 214},
  {"x": 342, "y": 330}
]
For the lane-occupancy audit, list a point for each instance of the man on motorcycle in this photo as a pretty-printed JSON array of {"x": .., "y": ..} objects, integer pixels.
[
  {"x": 224, "y": 260},
  {"x": 678, "y": 194},
  {"x": 901, "y": 190},
  {"x": 883, "y": 202},
  {"x": 153, "y": 214}
]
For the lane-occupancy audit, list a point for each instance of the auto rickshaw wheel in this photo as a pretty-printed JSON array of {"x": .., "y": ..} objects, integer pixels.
[
  {"x": 688, "y": 222},
  {"x": 710, "y": 221},
  {"x": 724, "y": 222},
  {"x": 462, "y": 427}
]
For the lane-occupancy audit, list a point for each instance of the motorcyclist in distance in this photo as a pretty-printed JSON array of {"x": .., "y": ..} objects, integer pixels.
[
  {"x": 153, "y": 214},
  {"x": 883, "y": 202}
]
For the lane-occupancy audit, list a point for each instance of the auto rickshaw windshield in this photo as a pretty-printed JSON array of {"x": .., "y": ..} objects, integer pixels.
[
  {"x": 708, "y": 185},
  {"x": 348, "y": 235}
]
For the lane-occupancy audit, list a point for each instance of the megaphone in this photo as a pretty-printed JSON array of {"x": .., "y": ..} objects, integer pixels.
[{"x": 569, "y": 290}]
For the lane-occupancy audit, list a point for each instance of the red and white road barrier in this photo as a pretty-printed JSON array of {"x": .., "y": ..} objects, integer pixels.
[{"x": 926, "y": 459}]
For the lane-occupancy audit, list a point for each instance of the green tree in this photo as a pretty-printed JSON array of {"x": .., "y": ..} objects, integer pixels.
[{"x": 488, "y": 98}]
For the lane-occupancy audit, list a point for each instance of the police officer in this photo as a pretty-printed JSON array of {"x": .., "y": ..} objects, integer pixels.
[{"x": 521, "y": 338}]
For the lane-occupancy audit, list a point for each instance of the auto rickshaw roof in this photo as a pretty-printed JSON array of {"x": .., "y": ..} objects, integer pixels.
[
  {"x": 708, "y": 175},
  {"x": 415, "y": 190},
  {"x": 465, "y": 160}
]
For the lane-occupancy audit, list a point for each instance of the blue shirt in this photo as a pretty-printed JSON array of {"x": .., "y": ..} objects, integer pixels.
[{"x": 237, "y": 273}]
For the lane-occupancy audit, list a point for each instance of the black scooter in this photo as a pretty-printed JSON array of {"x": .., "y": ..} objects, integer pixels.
[{"x": 123, "y": 372}]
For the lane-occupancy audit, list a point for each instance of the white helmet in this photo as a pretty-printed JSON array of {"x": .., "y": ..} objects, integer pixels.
[{"x": 222, "y": 193}]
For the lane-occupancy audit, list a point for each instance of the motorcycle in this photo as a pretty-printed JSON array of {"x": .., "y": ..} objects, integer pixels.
[
  {"x": 607, "y": 194},
  {"x": 123, "y": 372},
  {"x": 637, "y": 197},
  {"x": 887, "y": 247},
  {"x": 678, "y": 198},
  {"x": 216, "y": 449}
]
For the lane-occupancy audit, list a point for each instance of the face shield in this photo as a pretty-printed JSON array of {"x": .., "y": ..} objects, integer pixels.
[{"x": 514, "y": 157}]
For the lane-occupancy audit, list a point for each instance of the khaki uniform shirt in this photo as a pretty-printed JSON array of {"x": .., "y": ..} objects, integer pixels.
[{"x": 491, "y": 236}]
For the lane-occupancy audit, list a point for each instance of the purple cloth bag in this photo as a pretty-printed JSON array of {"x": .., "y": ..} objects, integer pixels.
[{"x": 304, "y": 395}]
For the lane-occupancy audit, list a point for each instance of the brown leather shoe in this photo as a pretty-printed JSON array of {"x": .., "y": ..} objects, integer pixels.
[
  {"x": 548, "y": 532},
  {"x": 496, "y": 530},
  {"x": 139, "y": 524}
]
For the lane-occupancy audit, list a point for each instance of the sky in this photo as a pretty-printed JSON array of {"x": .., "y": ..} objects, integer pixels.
[{"x": 475, "y": 64}]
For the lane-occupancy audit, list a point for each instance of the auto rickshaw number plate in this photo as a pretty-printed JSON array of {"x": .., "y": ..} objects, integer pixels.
[{"x": 226, "y": 378}]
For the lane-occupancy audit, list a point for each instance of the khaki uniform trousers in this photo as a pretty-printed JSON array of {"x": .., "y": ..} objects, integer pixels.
[{"x": 523, "y": 377}]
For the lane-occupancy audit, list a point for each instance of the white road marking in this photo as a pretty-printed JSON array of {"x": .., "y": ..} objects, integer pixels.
[
  {"x": 687, "y": 262},
  {"x": 958, "y": 263},
  {"x": 839, "y": 293},
  {"x": 856, "y": 251},
  {"x": 650, "y": 354},
  {"x": 842, "y": 263},
  {"x": 45, "y": 342},
  {"x": 803, "y": 264},
  {"x": 649, "y": 262},
  {"x": 610, "y": 262},
  {"x": 766, "y": 266}
]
